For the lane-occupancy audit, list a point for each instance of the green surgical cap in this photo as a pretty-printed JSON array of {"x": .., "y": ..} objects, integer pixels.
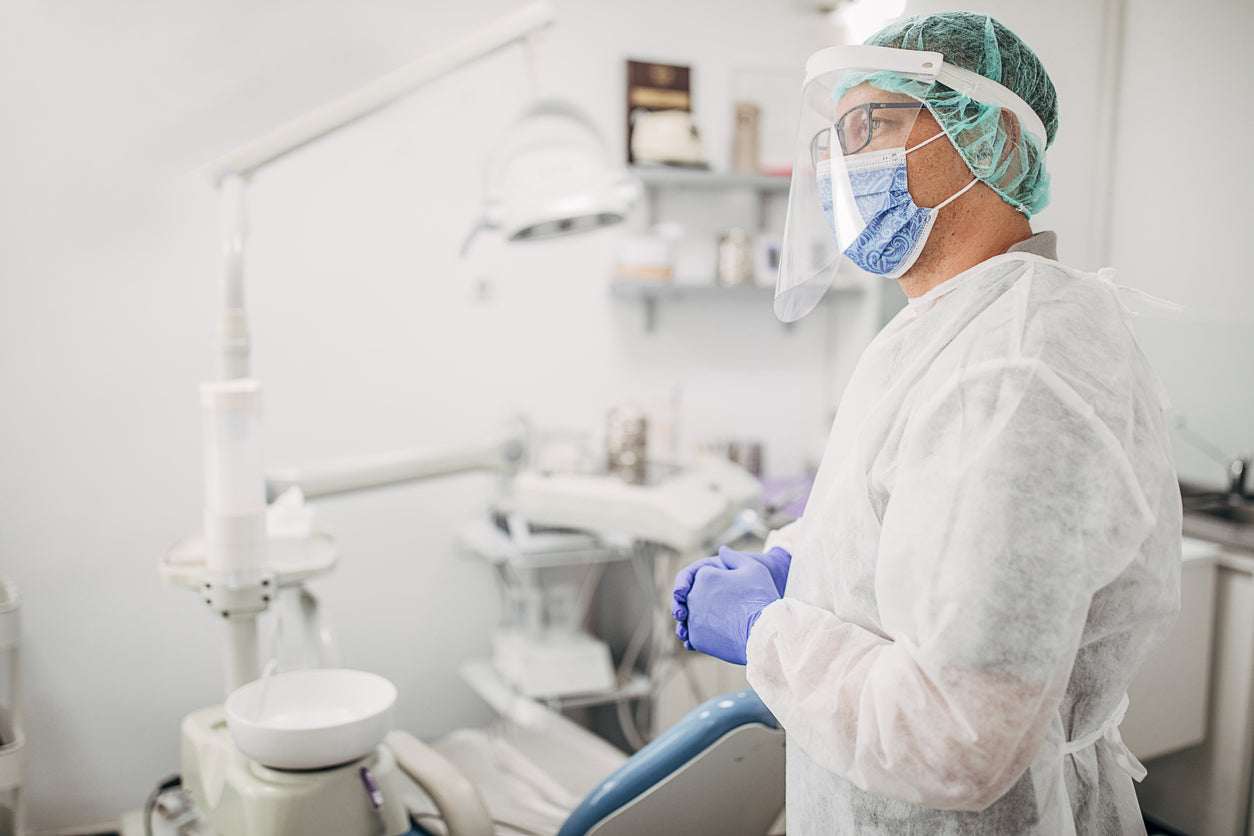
[{"x": 1013, "y": 167}]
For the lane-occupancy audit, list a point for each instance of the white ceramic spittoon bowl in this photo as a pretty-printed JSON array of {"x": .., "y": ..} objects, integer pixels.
[{"x": 311, "y": 719}]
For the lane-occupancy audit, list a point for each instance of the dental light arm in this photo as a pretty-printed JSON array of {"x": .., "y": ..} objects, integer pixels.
[
  {"x": 381, "y": 92},
  {"x": 503, "y": 454}
]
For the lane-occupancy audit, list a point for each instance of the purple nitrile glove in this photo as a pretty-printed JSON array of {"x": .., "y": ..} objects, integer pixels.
[
  {"x": 683, "y": 584},
  {"x": 724, "y": 604},
  {"x": 776, "y": 561}
]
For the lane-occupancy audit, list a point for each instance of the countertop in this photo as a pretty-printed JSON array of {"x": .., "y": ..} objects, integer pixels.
[
  {"x": 1232, "y": 526},
  {"x": 1224, "y": 532}
]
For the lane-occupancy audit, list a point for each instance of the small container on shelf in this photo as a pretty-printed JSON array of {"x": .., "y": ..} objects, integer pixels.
[
  {"x": 735, "y": 257},
  {"x": 648, "y": 256}
]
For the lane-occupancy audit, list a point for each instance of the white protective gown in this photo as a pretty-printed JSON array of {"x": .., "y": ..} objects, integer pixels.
[{"x": 991, "y": 549}]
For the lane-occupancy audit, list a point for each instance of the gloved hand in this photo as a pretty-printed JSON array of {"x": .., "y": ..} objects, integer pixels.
[
  {"x": 723, "y": 604},
  {"x": 776, "y": 561}
]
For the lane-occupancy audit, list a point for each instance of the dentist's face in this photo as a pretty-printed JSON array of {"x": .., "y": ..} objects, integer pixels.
[{"x": 870, "y": 119}]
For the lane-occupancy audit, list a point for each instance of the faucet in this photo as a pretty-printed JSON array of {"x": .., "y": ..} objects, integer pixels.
[{"x": 1236, "y": 467}]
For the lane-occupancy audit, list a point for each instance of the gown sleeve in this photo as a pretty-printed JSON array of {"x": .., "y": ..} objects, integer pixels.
[
  {"x": 784, "y": 538},
  {"x": 1012, "y": 505}
]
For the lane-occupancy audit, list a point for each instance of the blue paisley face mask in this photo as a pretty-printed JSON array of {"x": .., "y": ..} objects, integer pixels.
[{"x": 896, "y": 229}]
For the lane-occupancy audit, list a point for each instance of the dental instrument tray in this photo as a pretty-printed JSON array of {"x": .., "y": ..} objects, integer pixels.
[
  {"x": 685, "y": 511},
  {"x": 531, "y": 548}
]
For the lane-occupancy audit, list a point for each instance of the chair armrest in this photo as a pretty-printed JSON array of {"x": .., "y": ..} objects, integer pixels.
[{"x": 456, "y": 797}]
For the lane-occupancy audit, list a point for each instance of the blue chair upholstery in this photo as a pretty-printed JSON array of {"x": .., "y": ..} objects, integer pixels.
[{"x": 718, "y": 770}]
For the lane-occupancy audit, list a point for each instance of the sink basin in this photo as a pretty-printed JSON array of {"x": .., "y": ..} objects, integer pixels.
[
  {"x": 311, "y": 719},
  {"x": 1219, "y": 505}
]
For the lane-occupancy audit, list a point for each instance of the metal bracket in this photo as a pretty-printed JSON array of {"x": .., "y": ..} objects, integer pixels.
[{"x": 232, "y": 600}]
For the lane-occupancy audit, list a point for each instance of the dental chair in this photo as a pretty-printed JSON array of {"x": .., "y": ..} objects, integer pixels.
[{"x": 719, "y": 770}]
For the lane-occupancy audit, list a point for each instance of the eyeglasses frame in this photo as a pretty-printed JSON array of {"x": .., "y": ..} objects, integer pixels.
[{"x": 870, "y": 108}]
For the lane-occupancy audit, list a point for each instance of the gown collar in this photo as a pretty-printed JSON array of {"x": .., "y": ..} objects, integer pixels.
[{"x": 1043, "y": 244}]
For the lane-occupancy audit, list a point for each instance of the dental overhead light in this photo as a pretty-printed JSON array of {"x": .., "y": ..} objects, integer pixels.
[{"x": 553, "y": 175}]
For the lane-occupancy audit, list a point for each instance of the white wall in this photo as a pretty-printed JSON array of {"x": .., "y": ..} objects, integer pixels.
[
  {"x": 367, "y": 333},
  {"x": 1182, "y": 186}
]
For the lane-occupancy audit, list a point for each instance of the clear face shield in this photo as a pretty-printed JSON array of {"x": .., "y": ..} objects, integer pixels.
[
  {"x": 843, "y": 117},
  {"x": 850, "y": 214}
]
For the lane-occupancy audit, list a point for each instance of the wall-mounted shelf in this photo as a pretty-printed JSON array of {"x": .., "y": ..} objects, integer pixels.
[
  {"x": 650, "y": 294},
  {"x": 693, "y": 178},
  {"x": 667, "y": 291},
  {"x": 658, "y": 179}
]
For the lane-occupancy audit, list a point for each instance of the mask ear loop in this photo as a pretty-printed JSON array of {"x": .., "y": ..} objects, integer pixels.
[
  {"x": 956, "y": 194},
  {"x": 932, "y": 138}
]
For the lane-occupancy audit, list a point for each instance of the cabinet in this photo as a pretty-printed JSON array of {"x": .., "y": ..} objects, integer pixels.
[
  {"x": 1208, "y": 789},
  {"x": 705, "y": 203},
  {"x": 12, "y": 740}
]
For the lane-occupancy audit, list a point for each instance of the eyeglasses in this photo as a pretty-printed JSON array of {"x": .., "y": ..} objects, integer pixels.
[{"x": 857, "y": 126}]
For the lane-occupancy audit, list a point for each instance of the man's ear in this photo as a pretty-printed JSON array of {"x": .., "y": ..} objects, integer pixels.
[
  {"x": 1014, "y": 137},
  {"x": 1010, "y": 123}
]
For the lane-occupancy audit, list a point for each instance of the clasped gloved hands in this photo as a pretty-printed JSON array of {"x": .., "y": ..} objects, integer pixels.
[{"x": 718, "y": 599}]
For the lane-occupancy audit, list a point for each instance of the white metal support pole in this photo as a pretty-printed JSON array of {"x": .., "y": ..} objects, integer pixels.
[
  {"x": 234, "y": 484},
  {"x": 233, "y": 338},
  {"x": 242, "y": 662},
  {"x": 237, "y": 585},
  {"x": 504, "y": 453}
]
